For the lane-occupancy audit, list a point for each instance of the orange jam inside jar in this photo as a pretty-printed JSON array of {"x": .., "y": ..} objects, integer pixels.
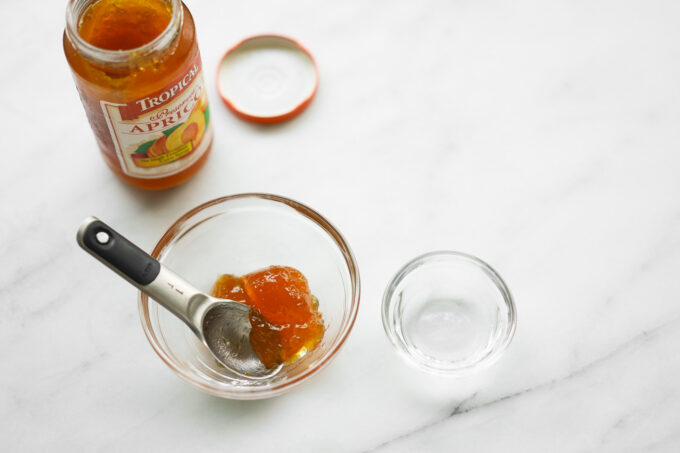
[
  {"x": 285, "y": 320},
  {"x": 138, "y": 71}
]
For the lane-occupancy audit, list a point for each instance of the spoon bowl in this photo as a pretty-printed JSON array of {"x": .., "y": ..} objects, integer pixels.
[{"x": 226, "y": 332}]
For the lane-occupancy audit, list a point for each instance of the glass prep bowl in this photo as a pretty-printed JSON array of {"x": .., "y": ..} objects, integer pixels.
[
  {"x": 236, "y": 235},
  {"x": 449, "y": 313}
]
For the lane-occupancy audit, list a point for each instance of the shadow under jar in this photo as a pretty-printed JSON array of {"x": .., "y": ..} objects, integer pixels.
[{"x": 138, "y": 71}]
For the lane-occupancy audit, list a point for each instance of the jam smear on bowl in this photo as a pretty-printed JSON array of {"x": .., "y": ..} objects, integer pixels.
[{"x": 285, "y": 320}]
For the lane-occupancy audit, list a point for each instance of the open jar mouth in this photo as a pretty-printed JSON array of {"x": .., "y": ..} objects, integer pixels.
[{"x": 74, "y": 13}]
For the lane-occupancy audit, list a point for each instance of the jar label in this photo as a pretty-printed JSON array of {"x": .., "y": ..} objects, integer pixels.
[{"x": 165, "y": 132}]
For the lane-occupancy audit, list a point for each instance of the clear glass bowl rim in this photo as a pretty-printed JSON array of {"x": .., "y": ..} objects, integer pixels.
[
  {"x": 429, "y": 366},
  {"x": 245, "y": 393}
]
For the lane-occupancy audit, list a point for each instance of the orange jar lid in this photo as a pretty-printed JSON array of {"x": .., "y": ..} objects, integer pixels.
[{"x": 267, "y": 78}]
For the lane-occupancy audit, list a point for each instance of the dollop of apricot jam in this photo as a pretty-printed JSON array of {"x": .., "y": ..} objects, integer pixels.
[{"x": 285, "y": 320}]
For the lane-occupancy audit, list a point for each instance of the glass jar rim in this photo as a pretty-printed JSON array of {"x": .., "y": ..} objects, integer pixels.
[{"x": 74, "y": 12}]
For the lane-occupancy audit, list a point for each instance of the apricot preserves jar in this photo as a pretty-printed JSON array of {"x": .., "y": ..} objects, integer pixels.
[{"x": 138, "y": 71}]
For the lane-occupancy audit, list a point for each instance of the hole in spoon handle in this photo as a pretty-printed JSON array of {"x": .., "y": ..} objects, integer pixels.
[{"x": 121, "y": 255}]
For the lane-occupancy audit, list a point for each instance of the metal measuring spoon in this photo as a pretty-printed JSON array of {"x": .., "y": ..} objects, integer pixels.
[{"x": 222, "y": 325}]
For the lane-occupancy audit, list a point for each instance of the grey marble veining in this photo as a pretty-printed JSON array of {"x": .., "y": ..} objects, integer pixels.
[{"x": 541, "y": 136}]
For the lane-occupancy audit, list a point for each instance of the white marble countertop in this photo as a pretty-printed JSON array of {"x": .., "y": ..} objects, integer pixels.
[{"x": 542, "y": 137}]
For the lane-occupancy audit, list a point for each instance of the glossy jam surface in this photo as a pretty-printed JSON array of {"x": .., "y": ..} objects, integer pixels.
[
  {"x": 124, "y": 24},
  {"x": 286, "y": 321}
]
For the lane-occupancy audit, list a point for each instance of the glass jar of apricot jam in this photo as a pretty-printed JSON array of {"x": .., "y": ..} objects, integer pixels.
[{"x": 138, "y": 71}]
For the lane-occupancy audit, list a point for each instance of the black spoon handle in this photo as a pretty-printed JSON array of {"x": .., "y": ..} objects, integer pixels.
[
  {"x": 114, "y": 250},
  {"x": 152, "y": 278}
]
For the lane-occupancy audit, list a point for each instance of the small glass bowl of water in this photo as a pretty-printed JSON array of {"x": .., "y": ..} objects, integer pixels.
[{"x": 449, "y": 313}]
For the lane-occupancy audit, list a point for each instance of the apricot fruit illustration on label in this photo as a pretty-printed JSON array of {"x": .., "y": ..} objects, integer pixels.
[
  {"x": 157, "y": 148},
  {"x": 188, "y": 132},
  {"x": 176, "y": 142}
]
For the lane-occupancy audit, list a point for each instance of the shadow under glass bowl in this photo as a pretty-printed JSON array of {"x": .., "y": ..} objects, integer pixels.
[
  {"x": 448, "y": 313},
  {"x": 236, "y": 235}
]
